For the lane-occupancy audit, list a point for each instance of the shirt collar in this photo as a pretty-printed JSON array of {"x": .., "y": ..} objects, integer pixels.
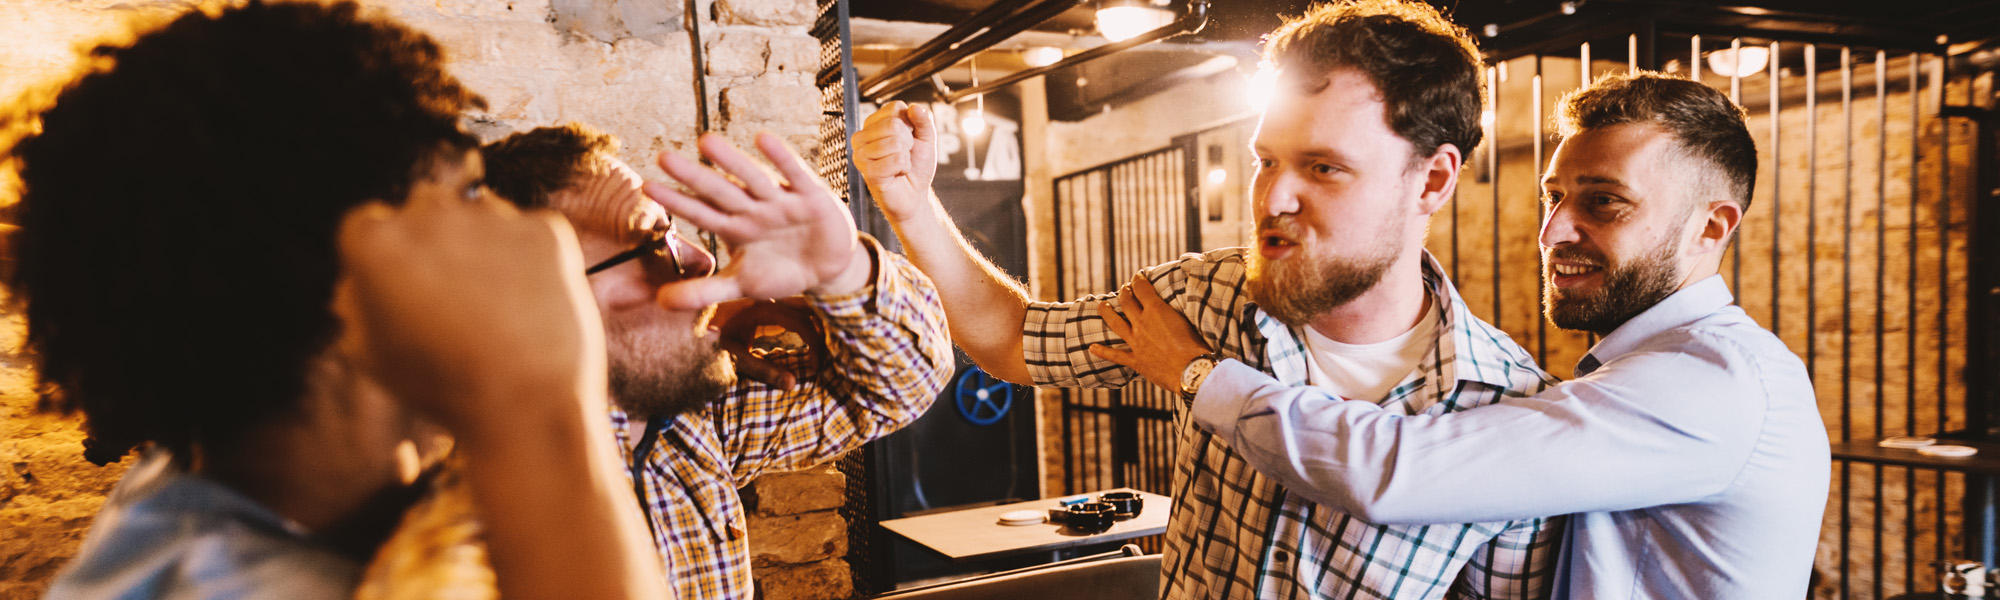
[
  {"x": 1684, "y": 306},
  {"x": 1471, "y": 345}
]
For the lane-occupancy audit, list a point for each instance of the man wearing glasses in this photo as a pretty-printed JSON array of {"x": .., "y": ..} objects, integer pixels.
[{"x": 693, "y": 433}]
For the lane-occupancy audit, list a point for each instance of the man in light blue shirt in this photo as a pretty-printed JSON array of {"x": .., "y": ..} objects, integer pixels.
[{"x": 1690, "y": 443}]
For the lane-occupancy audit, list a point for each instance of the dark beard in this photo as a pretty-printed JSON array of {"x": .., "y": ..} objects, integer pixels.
[
  {"x": 1629, "y": 289},
  {"x": 666, "y": 391},
  {"x": 1301, "y": 287},
  {"x": 658, "y": 374}
]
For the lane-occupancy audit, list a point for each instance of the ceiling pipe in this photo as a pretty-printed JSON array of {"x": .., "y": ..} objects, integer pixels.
[
  {"x": 902, "y": 76},
  {"x": 1190, "y": 22},
  {"x": 986, "y": 17}
]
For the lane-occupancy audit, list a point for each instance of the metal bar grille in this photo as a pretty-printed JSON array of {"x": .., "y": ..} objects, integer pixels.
[{"x": 1110, "y": 222}]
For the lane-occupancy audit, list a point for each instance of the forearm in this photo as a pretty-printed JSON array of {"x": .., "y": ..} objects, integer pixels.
[
  {"x": 560, "y": 518},
  {"x": 1580, "y": 447},
  {"x": 985, "y": 307}
]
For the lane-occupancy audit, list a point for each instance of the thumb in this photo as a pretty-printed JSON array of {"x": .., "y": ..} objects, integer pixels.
[
  {"x": 923, "y": 126},
  {"x": 698, "y": 293}
]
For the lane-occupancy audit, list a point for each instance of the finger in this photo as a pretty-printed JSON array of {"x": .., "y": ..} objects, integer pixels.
[
  {"x": 923, "y": 123},
  {"x": 1126, "y": 303},
  {"x": 712, "y": 187},
  {"x": 923, "y": 126},
  {"x": 787, "y": 161},
  {"x": 694, "y": 210},
  {"x": 698, "y": 293},
  {"x": 1117, "y": 355},
  {"x": 1142, "y": 290},
  {"x": 1116, "y": 322},
  {"x": 892, "y": 110},
  {"x": 734, "y": 162},
  {"x": 763, "y": 371}
]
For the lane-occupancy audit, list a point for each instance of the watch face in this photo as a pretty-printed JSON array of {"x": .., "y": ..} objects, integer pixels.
[{"x": 1195, "y": 372}]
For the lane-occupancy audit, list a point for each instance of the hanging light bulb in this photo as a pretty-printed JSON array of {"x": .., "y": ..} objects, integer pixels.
[
  {"x": 1744, "y": 62},
  {"x": 1041, "y": 56},
  {"x": 1121, "y": 20}
]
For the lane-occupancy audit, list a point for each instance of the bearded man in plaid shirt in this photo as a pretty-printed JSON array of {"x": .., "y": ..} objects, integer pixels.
[
  {"x": 1377, "y": 104},
  {"x": 692, "y": 433}
]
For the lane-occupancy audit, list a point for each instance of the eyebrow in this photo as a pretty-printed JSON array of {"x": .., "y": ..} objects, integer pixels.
[
  {"x": 1320, "y": 153},
  {"x": 1589, "y": 180}
]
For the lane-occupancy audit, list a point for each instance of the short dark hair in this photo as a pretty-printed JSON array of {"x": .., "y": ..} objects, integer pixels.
[
  {"x": 1702, "y": 120},
  {"x": 179, "y": 204},
  {"x": 526, "y": 167},
  {"x": 1428, "y": 70}
]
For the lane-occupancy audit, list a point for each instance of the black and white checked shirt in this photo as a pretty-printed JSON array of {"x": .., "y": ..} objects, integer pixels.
[{"x": 1235, "y": 533}]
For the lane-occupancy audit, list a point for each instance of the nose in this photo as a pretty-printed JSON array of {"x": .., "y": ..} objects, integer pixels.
[
  {"x": 1559, "y": 227},
  {"x": 1276, "y": 193}
]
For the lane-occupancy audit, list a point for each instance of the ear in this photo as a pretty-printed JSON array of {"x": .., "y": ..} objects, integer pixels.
[
  {"x": 1440, "y": 177},
  {"x": 1717, "y": 224}
]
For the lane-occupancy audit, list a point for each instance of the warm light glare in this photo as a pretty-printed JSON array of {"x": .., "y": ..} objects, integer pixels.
[
  {"x": 1486, "y": 119},
  {"x": 1041, "y": 56},
  {"x": 1262, "y": 86},
  {"x": 1217, "y": 175},
  {"x": 974, "y": 121},
  {"x": 1729, "y": 63},
  {"x": 1120, "y": 23}
]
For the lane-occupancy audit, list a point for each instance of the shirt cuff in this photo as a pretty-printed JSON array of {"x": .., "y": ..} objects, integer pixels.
[
  {"x": 1224, "y": 395},
  {"x": 859, "y": 302}
]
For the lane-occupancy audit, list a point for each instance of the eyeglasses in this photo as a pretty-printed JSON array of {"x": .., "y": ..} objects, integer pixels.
[{"x": 660, "y": 244}]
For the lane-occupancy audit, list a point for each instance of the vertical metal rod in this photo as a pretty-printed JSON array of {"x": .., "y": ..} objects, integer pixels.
[
  {"x": 1736, "y": 241},
  {"x": 1583, "y": 62},
  {"x": 1881, "y": 261},
  {"x": 1777, "y": 189},
  {"x": 1541, "y": 325},
  {"x": 1940, "y": 80},
  {"x": 1694, "y": 57},
  {"x": 1631, "y": 53},
  {"x": 1812, "y": 214},
  {"x": 1846, "y": 276},
  {"x": 1493, "y": 181},
  {"x": 1910, "y": 331}
]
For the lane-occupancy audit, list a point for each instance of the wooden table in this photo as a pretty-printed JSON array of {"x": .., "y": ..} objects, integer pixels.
[{"x": 976, "y": 533}]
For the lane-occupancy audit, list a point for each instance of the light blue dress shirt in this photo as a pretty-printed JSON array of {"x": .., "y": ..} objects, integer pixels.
[
  {"x": 164, "y": 533},
  {"x": 1690, "y": 444}
]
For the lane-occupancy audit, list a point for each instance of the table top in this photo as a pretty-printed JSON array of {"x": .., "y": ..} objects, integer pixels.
[
  {"x": 1986, "y": 462},
  {"x": 976, "y": 533}
]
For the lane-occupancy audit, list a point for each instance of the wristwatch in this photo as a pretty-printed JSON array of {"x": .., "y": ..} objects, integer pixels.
[{"x": 1196, "y": 371}]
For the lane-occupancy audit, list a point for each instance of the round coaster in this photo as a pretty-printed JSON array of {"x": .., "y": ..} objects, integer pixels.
[
  {"x": 1905, "y": 442},
  {"x": 1023, "y": 517},
  {"x": 1948, "y": 451}
]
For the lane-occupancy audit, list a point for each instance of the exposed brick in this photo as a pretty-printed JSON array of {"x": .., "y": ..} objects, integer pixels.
[
  {"x": 737, "y": 53},
  {"x": 824, "y": 580},
  {"x": 794, "y": 54},
  {"x": 799, "y": 492},
  {"x": 797, "y": 539},
  {"x": 765, "y": 12}
]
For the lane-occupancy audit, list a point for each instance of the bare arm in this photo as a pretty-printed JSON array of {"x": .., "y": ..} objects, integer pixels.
[
  {"x": 515, "y": 371},
  {"x": 896, "y": 155}
]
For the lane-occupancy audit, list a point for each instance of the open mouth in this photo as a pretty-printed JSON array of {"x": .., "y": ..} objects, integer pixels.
[
  {"x": 1569, "y": 273},
  {"x": 1275, "y": 245}
]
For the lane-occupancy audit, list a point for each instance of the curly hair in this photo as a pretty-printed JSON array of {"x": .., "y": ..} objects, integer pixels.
[
  {"x": 1428, "y": 70},
  {"x": 1702, "y": 120},
  {"x": 526, "y": 167},
  {"x": 179, "y": 204}
]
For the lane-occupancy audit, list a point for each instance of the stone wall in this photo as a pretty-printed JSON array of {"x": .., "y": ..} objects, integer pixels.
[{"x": 623, "y": 66}]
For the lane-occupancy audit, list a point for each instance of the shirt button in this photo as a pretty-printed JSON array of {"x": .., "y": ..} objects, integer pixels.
[{"x": 1280, "y": 557}]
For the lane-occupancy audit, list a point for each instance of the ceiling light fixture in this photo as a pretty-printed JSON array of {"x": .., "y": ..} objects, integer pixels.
[
  {"x": 1742, "y": 62},
  {"x": 1041, "y": 56},
  {"x": 1121, "y": 20}
]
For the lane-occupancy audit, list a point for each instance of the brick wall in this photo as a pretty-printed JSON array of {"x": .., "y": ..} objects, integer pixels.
[{"x": 620, "y": 65}]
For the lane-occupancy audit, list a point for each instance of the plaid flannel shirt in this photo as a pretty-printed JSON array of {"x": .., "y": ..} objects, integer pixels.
[
  {"x": 891, "y": 355},
  {"x": 1235, "y": 533}
]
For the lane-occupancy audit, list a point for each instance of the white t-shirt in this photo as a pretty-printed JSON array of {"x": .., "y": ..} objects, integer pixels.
[{"x": 1369, "y": 371}]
